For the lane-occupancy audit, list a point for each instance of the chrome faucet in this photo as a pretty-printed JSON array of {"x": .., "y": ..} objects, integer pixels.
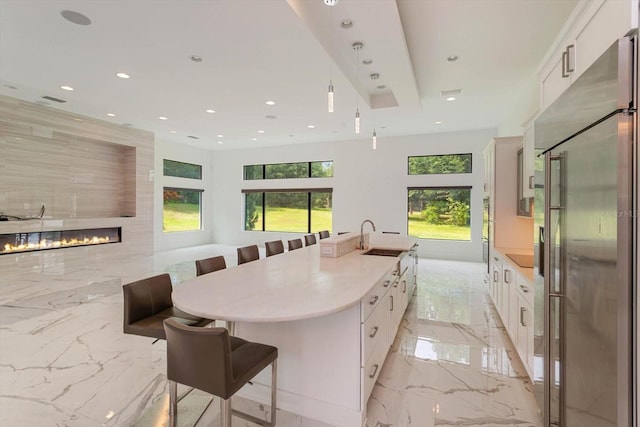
[{"x": 362, "y": 231}]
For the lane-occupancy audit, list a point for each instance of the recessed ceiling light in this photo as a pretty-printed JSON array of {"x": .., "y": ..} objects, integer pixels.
[
  {"x": 111, "y": 115},
  {"x": 439, "y": 122},
  {"x": 220, "y": 142},
  {"x": 220, "y": 136},
  {"x": 450, "y": 98},
  {"x": 172, "y": 131},
  {"x": 162, "y": 118},
  {"x": 75, "y": 17},
  {"x": 311, "y": 126},
  {"x": 260, "y": 131},
  {"x": 210, "y": 111},
  {"x": 331, "y": 2},
  {"x": 254, "y": 139},
  {"x": 65, "y": 87},
  {"x": 195, "y": 58},
  {"x": 346, "y": 23},
  {"x": 452, "y": 58},
  {"x": 367, "y": 61},
  {"x": 123, "y": 75},
  {"x": 270, "y": 103}
]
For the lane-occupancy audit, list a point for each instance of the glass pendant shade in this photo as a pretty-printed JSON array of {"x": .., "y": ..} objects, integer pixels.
[
  {"x": 330, "y": 98},
  {"x": 374, "y": 140},
  {"x": 357, "y": 121}
]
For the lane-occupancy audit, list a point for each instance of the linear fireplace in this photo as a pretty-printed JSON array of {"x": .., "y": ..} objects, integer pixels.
[{"x": 44, "y": 240}]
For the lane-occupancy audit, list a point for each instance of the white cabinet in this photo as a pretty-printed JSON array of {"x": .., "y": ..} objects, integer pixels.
[
  {"x": 524, "y": 334},
  {"x": 594, "y": 26},
  {"x": 527, "y": 178},
  {"x": 507, "y": 229}
]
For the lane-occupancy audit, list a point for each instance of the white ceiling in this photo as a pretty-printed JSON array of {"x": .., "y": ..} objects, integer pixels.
[{"x": 280, "y": 50}]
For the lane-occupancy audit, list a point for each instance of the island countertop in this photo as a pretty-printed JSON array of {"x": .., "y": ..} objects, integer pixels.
[{"x": 291, "y": 286}]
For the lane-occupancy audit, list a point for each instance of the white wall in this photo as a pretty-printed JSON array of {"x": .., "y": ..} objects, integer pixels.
[
  {"x": 186, "y": 154},
  {"x": 366, "y": 184}
]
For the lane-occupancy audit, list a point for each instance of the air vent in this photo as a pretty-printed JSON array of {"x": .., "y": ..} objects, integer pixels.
[
  {"x": 193, "y": 137},
  {"x": 454, "y": 92},
  {"x": 51, "y": 98}
]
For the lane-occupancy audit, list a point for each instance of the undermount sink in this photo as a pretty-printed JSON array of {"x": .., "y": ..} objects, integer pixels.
[{"x": 383, "y": 252}]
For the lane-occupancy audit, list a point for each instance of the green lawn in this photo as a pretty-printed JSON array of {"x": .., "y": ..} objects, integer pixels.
[
  {"x": 425, "y": 230},
  {"x": 295, "y": 220},
  {"x": 180, "y": 217}
]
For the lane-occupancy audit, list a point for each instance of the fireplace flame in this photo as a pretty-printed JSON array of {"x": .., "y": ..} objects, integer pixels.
[{"x": 50, "y": 244}]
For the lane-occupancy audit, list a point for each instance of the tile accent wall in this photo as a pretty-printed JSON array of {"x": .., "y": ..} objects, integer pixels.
[{"x": 88, "y": 173}]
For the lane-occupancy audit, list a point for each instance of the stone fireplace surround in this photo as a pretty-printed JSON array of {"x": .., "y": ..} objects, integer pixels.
[{"x": 89, "y": 173}]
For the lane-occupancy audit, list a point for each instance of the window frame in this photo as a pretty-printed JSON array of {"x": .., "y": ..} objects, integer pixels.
[
  {"x": 263, "y": 191},
  {"x": 200, "y": 191},
  {"x": 183, "y": 163},
  {"x": 265, "y": 165},
  {"x": 440, "y": 155},
  {"x": 442, "y": 187}
]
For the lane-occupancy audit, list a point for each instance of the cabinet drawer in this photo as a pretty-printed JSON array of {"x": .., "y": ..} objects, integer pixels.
[
  {"x": 374, "y": 331},
  {"x": 374, "y": 297},
  {"x": 369, "y": 373},
  {"x": 525, "y": 288}
]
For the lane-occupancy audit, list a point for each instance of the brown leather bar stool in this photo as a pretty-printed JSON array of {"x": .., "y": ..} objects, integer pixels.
[
  {"x": 310, "y": 239},
  {"x": 248, "y": 253},
  {"x": 295, "y": 244},
  {"x": 147, "y": 303},
  {"x": 274, "y": 248},
  {"x": 324, "y": 234},
  {"x": 211, "y": 360},
  {"x": 209, "y": 265}
]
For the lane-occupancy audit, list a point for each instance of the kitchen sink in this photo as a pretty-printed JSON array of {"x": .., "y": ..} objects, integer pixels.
[{"x": 383, "y": 252}]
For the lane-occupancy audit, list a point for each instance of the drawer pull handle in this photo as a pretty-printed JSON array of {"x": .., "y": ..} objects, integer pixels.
[
  {"x": 404, "y": 286},
  {"x": 522, "y": 311},
  {"x": 524, "y": 289},
  {"x": 375, "y": 370},
  {"x": 391, "y": 309},
  {"x": 375, "y": 331},
  {"x": 386, "y": 283},
  {"x": 373, "y": 300}
]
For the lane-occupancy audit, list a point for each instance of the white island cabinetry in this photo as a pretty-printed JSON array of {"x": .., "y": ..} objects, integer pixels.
[{"x": 330, "y": 318}]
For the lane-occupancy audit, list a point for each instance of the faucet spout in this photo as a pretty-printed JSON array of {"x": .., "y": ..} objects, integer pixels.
[{"x": 362, "y": 231}]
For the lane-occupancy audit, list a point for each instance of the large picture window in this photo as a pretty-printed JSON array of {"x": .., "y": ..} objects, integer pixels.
[
  {"x": 181, "y": 170},
  {"x": 289, "y": 170},
  {"x": 440, "y": 164},
  {"x": 182, "y": 210},
  {"x": 297, "y": 211},
  {"x": 439, "y": 213}
]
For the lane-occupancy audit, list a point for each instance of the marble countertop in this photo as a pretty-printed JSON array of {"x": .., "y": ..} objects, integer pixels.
[
  {"x": 525, "y": 272},
  {"x": 290, "y": 286}
]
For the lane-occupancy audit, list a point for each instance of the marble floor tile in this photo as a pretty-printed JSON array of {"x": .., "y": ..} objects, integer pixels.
[{"x": 64, "y": 360}]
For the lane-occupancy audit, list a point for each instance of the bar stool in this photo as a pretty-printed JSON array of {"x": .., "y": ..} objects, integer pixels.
[
  {"x": 324, "y": 234},
  {"x": 147, "y": 303},
  {"x": 247, "y": 254},
  {"x": 209, "y": 265},
  {"x": 310, "y": 239},
  {"x": 211, "y": 360},
  {"x": 295, "y": 244},
  {"x": 274, "y": 248}
]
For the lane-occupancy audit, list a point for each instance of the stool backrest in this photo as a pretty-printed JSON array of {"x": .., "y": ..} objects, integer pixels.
[
  {"x": 209, "y": 265},
  {"x": 146, "y": 297},
  {"x": 310, "y": 239},
  {"x": 274, "y": 248},
  {"x": 295, "y": 244},
  {"x": 248, "y": 253}
]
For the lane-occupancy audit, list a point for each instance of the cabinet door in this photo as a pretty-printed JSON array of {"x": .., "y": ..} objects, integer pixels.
[
  {"x": 528, "y": 162},
  {"x": 553, "y": 84},
  {"x": 524, "y": 343}
]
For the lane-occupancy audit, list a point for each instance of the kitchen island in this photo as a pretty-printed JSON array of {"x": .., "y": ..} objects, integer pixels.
[{"x": 332, "y": 319}]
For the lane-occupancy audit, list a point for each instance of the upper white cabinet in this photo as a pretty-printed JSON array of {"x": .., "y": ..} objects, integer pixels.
[{"x": 593, "y": 27}]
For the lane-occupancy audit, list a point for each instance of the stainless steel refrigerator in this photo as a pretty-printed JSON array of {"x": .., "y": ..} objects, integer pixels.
[{"x": 585, "y": 236}]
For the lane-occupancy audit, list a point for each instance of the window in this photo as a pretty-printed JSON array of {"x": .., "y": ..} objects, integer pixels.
[
  {"x": 440, "y": 213},
  {"x": 440, "y": 164},
  {"x": 181, "y": 170},
  {"x": 297, "y": 211},
  {"x": 182, "y": 210},
  {"x": 289, "y": 170}
]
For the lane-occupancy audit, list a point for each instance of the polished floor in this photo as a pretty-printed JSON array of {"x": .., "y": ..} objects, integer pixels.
[{"x": 64, "y": 360}]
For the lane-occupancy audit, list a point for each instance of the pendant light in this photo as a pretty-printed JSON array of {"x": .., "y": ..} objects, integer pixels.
[
  {"x": 330, "y": 3},
  {"x": 374, "y": 138},
  {"x": 357, "y": 46}
]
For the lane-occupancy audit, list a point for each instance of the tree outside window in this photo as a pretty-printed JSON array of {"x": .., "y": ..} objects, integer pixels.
[{"x": 440, "y": 213}]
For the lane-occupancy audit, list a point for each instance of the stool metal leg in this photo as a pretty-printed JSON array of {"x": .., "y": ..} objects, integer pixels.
[
  {"x": 274, "y": 372},
  {"x": 225, "y": 412},
  {"x": 173, "y": 403}
]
